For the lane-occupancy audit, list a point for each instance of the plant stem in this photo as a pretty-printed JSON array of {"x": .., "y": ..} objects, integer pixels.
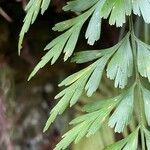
[
  {"x": 138, "y": 83},
  {"x": 133, "y": 44},
  {"x": 146, "y": 31},
  {"x": 142, "y": 117}
]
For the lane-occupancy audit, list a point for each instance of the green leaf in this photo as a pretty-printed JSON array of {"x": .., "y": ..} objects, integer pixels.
[
  {"x": 44, "y": 6},
  {"x": 86, "y": 125},
  {"x": 33, "y": 8},
  {"x": 108, "y": 105},
  {"x": 64, "y": 43},
  {"x": 94, "y": 28},
  {"x": 142, "y": 7},
  {"x": 120, "y": 66},
  {"x": 117, "y": 146},
  {"x": 132, "y": 141},
  {"x": 70, "y": 45},
  {"x": 88, "y": 79},
  {"x": 147, "y": 136},
  {"x": 117, "y": 9},
  {"x": 62, "y": 26},
  {"x": 93, "y": 82},
  {"x": 86, "y": 56},
  {"x": 129, "y": 143},
  {"x": 143, "y": 59},
  {"x": 71, "y": 94},
  {"x": 52, "y": 54},
  {"x": 29, "y": 5},
  {"x": 76, "y": 76},
  {"x": 146, "y": 98},
  {"x": 94, "y": 106},
  {"x": 72, "y": 135},
  {"x": 122, "y": 115},
  {"x": 79, "y": 5}
]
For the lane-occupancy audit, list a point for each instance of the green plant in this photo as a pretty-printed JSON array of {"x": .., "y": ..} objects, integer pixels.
[{"x": 127, "y": 60}]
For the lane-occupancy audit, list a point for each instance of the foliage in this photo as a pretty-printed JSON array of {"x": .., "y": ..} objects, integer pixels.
[
  {"x": 32, "y": 9},
  {"x": 128, "y": 59}
]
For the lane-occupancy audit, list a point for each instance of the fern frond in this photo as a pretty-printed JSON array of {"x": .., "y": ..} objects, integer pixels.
[
  {"x": 67, "y": 41},
  {"x": 79, "y": 5},
  {"x": 129, "y": 143},
  {"x": 33, "y": 8},
  {"x": 119, "y": 9},
  {"x": 146, "y": 99},
  {"x": 88, "y": 124},
  {"x": 121, "y": 64},
  {"x": 129, "y": 56},
  {"x": 88, "y": 79},
  {"x": 143, "y": 59},
  {"x": 147, "y": 136},
  {"x": 118, "y": 119}
]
